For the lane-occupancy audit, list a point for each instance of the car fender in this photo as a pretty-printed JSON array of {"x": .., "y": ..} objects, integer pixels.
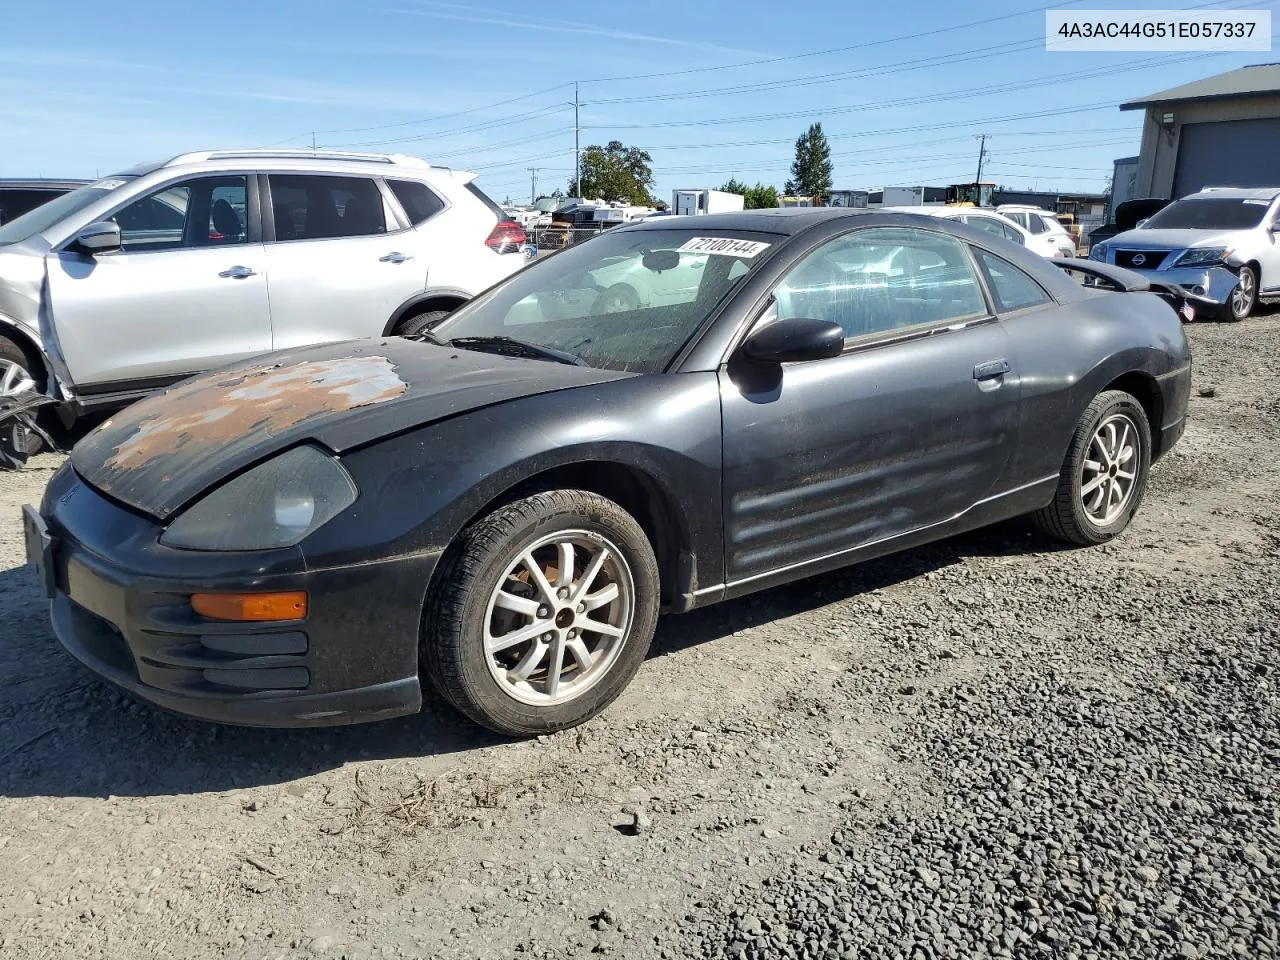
[{"x": 420, "y": 489}]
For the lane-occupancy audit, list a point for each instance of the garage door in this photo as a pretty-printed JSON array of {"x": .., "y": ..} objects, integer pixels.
[{"x": 1233, "y": 153}]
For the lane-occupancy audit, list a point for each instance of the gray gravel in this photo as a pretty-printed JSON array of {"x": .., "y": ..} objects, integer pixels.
[
  {"x": 986, "y": 747},
  {"x": 1107, "y": 785}
]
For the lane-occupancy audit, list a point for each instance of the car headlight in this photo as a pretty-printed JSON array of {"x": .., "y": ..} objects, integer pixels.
[
  {"x": 276, "y": 504},
  {"x": 1202, "y": 257},
  {"x": 1098, "y": 252}
]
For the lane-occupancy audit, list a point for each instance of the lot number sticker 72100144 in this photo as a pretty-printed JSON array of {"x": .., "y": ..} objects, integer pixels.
[{"x": 725, "y": 246}]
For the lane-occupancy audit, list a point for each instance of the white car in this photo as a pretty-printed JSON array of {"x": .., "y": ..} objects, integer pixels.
[
  {"x": 1041, "y": 224},
  {"x": 165, "y": 270},
  {"x": 993, "y": 222}
]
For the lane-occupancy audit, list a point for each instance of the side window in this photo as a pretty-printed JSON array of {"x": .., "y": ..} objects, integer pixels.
[
  {"x": 1018, "y": 217},
  {"x": 1013, "y": 289},
  {"x": 1038, "y": 225},
  {"x": 417, "y": 199},
  {"x": 209, "y": 211},
  {"x": 311, "y": 207},
  {"x": 882, "y": 279},
  {"x": 992, "y": 225}
]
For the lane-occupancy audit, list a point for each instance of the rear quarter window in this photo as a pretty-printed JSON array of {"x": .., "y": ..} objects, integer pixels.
[{"x": 418, "y": 200}]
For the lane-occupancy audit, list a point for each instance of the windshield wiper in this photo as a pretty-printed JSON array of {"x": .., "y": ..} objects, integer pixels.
[{"x": 511, "y": 347}]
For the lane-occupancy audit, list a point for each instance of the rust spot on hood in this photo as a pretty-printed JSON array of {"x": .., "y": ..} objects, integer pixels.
[{"x": 199, "y": 416}]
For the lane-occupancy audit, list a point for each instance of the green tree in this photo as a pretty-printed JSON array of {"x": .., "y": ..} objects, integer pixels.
[
  {"x": 616, "y": 172},
  {"x": 811, "y": 170},
  {"x": 761, "y": 197},
  {"x": 758, "y": 197}
]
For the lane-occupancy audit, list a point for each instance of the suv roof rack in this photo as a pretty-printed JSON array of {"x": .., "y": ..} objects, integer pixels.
[{"x": 340, "y": 156}]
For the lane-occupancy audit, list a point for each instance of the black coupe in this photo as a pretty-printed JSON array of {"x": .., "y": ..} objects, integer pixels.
[{"x": 671, "y": 414}]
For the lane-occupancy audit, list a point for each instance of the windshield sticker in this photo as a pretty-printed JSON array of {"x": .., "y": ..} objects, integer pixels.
[
  {"x": 109, "y": 184},
  {"x": 1259, "y": 203},
  {"x": 724, "y": 246}
]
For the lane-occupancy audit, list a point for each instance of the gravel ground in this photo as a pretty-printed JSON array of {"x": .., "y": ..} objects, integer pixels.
[{"x": 987, "y": 747}]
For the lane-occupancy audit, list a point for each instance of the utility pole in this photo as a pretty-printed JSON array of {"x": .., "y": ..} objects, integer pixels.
[
  {"x": 977, "y": 181},
  {"x": 313, "y": 141},
  {"x": 577, "y": 148},
  {"x": 533, "y": 183}
]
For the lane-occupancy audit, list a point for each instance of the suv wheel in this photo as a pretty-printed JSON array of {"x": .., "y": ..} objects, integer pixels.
[
  {"x": 1245, "y": 296},
  {"x": 17, "y": 440},
  {"x": 420, "y": 322}
]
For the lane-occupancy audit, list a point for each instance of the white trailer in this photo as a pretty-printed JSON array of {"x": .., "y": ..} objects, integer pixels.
[{"x": 689, "y": 203}]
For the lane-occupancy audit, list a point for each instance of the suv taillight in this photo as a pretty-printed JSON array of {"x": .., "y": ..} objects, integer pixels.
[{"x": 507, "y": 237}]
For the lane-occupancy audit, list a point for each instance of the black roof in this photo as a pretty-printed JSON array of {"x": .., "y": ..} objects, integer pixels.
[{"x": 784, "y": 220}]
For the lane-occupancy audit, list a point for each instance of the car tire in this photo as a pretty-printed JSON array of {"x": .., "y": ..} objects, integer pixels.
[
  {"x": 420, "y": 322},
  {"x": 1244, "y": 299},
  {"x": 1095, "y": 501},
  {"x": 16, "y": 442},
  {"x": 486, "y": 596}
]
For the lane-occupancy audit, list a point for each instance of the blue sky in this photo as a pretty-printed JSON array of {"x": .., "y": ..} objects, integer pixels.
[{"x": 487, "y": 86}]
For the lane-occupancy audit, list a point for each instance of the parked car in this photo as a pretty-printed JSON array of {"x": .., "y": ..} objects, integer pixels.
[
  {"x": 19, "y": 196},
  {"x": 1126, "y": 216},
  {"x": 503, "y": 509},
  {"x": 1219, "y": 245},
  {"x": 993, "y": 223},
  {"x": 1050, "y": 235},
  {"x": 165, "y": 270}
]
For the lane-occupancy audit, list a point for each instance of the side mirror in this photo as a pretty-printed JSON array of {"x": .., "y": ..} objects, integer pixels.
[
  {"x": 793, "y": 341},
  {"x": 100, "y": 237}
]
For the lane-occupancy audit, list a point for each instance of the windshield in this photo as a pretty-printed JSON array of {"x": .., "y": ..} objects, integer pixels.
[
  {"x": 1218, "y": 213},
  {"x": 46, "y": 215},
  {"x": 625, "y": 300}
]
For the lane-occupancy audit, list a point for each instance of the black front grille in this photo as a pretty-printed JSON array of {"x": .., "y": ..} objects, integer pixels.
[{"x": 1141, "y": 259}]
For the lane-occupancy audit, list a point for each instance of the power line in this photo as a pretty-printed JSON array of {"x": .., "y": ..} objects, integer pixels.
[
  {"x": 866, "y": 44},
  {"x": 922, "y": 100}
]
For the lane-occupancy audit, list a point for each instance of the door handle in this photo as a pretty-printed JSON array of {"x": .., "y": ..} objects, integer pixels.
[
  {"x": 237, "y": 272},
  {"x": 990, "y": 369},
  {"x": 396, "y": 256}
]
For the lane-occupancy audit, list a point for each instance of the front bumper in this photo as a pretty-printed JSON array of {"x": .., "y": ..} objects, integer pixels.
[
  {"x": 1203, "y": 286},
  {"x": 120, "y": 604}
]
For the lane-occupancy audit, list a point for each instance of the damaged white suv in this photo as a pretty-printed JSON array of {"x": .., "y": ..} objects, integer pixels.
[
  {"x": 131, "y": 283},
  {"x": 1219, "y": 246}
]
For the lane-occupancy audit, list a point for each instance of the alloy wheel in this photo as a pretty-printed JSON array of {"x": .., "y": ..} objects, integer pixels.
[
  {"x": 16, "y": 387},
  {"x": 1110, "y": 471},
  {"x": 1243, "y": 296},
  {"x": 559, "y": 617}
]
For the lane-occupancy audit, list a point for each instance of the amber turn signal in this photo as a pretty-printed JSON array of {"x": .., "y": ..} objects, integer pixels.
[{"x": 251, "y": 606}]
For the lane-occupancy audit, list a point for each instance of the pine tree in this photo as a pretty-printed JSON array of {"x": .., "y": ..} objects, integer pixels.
[{"x": 811, "y": 170}]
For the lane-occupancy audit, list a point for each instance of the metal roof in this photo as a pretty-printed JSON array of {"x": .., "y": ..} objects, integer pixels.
[{"x": 1256, "y": 80}]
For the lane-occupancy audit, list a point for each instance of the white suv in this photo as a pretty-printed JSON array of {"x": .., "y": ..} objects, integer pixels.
[
  {"x": 169, "y": 269},
  {"x": 1049, "y": 237}
]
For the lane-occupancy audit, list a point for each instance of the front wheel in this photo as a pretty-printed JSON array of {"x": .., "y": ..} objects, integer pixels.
[
  {"x": 1104, "y": 474},
  {"x": 542, "y": 613},
  {"x": 1244, "y": 299}
]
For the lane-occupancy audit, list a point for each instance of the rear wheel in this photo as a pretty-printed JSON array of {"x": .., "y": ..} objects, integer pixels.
[
  {"x": 1104, "y": 474},
  {"x": 420, "y": 322},
  {"x": 17, "y": 441},
  {"x": 542, "y": 613}
]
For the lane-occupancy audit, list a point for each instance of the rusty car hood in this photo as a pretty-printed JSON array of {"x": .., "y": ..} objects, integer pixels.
[{"x": 163, "y": 452}]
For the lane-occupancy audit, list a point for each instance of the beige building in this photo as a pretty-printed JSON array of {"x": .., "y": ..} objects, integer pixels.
[{"x": 1220, "y": 131}]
